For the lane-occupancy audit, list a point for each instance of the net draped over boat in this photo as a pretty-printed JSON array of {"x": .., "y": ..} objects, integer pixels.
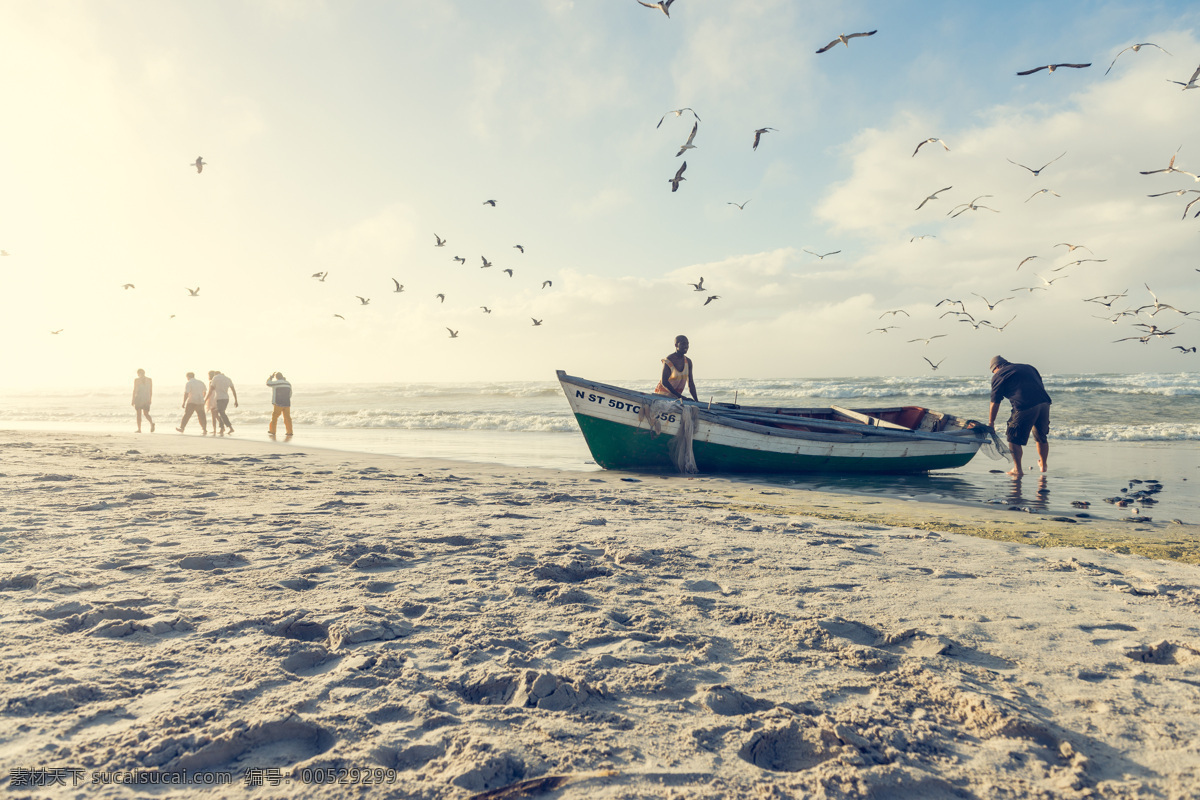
[{"x": 681, "y": 445}]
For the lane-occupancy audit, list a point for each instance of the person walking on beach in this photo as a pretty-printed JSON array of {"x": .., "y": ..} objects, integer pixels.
[
  {"x": 143, "y": 392},
  {"x": 1022, "y": 385},
  {"x": 219, "y": 387},
  {"x": 193, "y": 403},
  {"x": 281, "y": 400},
  {"x": 677, "y": 372}
]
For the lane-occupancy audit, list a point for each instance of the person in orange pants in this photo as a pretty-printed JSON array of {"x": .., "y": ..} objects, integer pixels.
[{"x": 281, "y": 400}]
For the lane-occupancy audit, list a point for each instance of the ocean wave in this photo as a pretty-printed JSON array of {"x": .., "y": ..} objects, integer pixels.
[
  {"x": 1160, "y": 432},
  {"x": 444, "y": 420}
]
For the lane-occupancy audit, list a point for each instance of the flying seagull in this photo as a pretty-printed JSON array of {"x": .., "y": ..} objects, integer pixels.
[
  {"x": 128, "y": 286},
  {"x": 688, "y": 144},
  {"x": 1071, "y": 248},
  {"x": 536, "y": 322},
  {"x": 930, "y": 363},
  {"x": 893, "y": 313},
  {"x": 677, "y": 112},
  {"x": 822, "y": 257},
  {"x": 971, "y": 206},
  {"x": 320, "y": 276},
  {"x": 1135, "y": 48},
  {"x": 990, "y": 304},
  {"x": 440, "y": 297},
  {"x": 1176, "y": 192},
  {"x": 845, "y": 39},
  {"x": 486, "y": 263},
  {"x": 678, "y": 177},
  {"x": 1183, "y": 349},
  {"x": 662, "y": 6},
  {"x": 1042, "y": 191},
  {"x": 741, "y": 206},
  {"x": 363, "y": 300},
  {"x": 884, "y": 330},
  {"x": 699, "y": 287},
  {"x": 199, "y": 164},
  {"x": 758, "y": 134},
  {"x": 339, "y": 316},
  {"x": 460, "y": 259},
  {"x": 1170, "y": 167},
  {"x": 399, "y": 285},
  {"x": 55, "y": 333},
  {"x": 547, "y": 283},
  {"x": 1053, "y": 67},
  {"x": 509, "y": 271},
  {"x": 1037, "y": 171},
  {"x": 440, "y": 241},
  {"x": 1026, "y": 258},
  {"x": 193, "y": 292},
  {"x": 519, "y": 247},
  {"x": 927, "y": 340},
  {"x": 712, "y": 297},
  {"x": 491, "y": 203},
  {"x": 453, "y": 333},
  {"x": 931, "y": 140},
  {"x": 933, "y": 196},
  {"x": 486, "y": 310},
  {"x": 1191, "y": 84},
  {"x": 922, "y": 236}
]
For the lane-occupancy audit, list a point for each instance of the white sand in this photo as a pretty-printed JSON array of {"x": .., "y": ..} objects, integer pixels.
[{"x": 226, "y": 607}]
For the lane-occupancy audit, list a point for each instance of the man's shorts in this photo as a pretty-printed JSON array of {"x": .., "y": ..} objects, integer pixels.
[{"x": 1022, "y": 422}]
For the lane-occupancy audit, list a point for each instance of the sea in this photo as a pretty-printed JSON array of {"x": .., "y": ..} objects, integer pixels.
[{"x": 1108, "y": 431}]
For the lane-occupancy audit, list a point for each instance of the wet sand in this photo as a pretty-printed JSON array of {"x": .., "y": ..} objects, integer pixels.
[{"x": 227, "y": 609}]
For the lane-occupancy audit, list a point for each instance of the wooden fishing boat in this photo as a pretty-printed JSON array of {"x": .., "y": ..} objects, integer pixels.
[{"x": 626, "y": 429}]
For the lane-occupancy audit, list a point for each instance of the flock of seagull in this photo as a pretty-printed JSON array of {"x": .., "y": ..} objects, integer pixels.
[
  {"x": 320, "y": 276},
  {"x": 1147, "y": 331},
  {"x": 438, "y": 241}
]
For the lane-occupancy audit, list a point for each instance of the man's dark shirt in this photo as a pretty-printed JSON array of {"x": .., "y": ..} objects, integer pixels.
[{"x": 1021, "y": 384}]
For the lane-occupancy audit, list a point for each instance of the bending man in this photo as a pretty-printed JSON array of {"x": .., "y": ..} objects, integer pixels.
[{"x": 1022, "y": 385}]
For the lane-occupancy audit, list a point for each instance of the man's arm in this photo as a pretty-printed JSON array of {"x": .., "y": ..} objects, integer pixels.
[
  {"x": 691, "y": 380},
  {"x": 233, "y": 389},
  {"x": 993, "y": 409}
]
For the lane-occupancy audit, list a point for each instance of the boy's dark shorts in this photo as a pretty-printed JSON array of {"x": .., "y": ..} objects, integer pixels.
[{"x": 1036, "y": 419}]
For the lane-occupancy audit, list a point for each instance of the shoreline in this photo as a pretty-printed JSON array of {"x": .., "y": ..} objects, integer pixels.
[
  {"x": 1159, "y": 538},
  {"x": 221, "y": 608}
]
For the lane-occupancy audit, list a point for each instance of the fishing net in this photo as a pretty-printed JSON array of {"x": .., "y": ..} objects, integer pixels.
[
  {"x": 681, "y": 445},
  {"x": 994, "y": 447}
]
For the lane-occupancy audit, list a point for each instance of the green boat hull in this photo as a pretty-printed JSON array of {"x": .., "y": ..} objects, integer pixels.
[{"x": 617, "y": 446}]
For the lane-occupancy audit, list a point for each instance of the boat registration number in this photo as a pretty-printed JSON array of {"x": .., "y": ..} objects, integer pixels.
[{"x": 619, "y": 405}]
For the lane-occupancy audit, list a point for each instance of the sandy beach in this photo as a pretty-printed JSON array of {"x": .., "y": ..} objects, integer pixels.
[{"x": 247, "y": 618}]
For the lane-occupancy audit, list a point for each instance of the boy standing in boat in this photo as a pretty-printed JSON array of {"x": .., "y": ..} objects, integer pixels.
[
  {"x": 1022, "y": 385},
  {"x": 677, "y": 372}
]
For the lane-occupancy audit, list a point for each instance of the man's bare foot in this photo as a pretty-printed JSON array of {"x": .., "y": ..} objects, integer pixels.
[
  {"x": 1016, "y": 472},
  {"x": 152, "y": 427},
  {"x": 1041, "y": 465}
]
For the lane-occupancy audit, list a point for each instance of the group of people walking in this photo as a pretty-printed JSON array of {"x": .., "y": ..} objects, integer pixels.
[
  {"x": 211, "y": 401},
  {"x": 205, "y": 401}
]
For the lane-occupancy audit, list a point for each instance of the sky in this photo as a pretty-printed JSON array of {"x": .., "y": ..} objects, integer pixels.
[{"x": 343, "y": 137}]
